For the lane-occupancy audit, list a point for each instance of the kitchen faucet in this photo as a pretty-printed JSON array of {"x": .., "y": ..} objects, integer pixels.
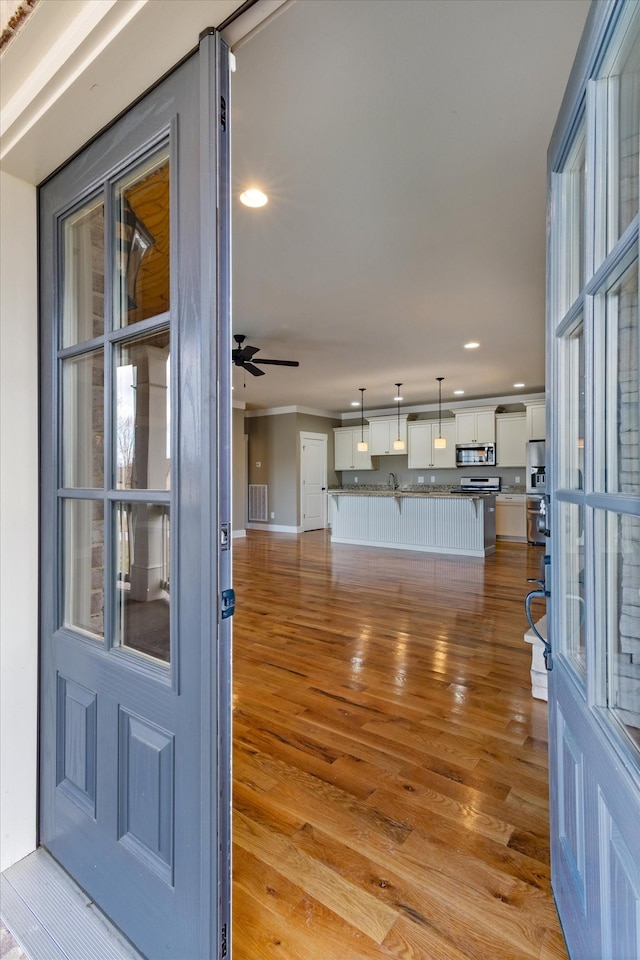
[{"x": 393, "y": 483}]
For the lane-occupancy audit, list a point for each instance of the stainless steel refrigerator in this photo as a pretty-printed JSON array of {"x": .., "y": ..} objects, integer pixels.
[{"x": 536, "y": 479}]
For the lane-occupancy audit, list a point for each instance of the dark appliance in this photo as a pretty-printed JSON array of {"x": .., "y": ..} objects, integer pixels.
[
  {"x": 536, "y": 485},
  {"x": 482, "y": 485},
  {"x": 475, "y": 454}
]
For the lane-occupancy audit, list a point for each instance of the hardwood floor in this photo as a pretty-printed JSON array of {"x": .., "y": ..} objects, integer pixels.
[{"x": 390, "y": 764}]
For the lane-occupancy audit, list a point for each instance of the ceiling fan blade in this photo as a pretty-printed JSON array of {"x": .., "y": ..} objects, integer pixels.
[
  {"x": 239, "y": 356},
  {"x": 253, "y": 369},
  {"x": 247, "y": 352},
  {"x": 279, "y": 363}
]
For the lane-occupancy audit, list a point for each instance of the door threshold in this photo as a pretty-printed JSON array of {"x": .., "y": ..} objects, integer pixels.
[{"x": 51, "y": 918}]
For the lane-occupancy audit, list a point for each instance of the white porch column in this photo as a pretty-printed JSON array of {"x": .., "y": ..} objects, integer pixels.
[
  {"x": 18, "y": 519},
  {"x": 150, "y": 470}
]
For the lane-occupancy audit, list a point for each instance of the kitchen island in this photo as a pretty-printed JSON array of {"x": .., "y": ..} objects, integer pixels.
[{"x": 407, "y": 520}]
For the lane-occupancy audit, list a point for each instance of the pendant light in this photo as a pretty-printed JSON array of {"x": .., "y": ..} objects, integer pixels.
[
  {"x": 440, "y": 442},
  {"x": 398, "y": 444},
  {"x": 363, "y": 446}
]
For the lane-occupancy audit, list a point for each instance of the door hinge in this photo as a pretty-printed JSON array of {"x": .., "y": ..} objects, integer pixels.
[
  {"x": 223, "y": 114},
  {"x": 223, "y": 941},
  {"x": 227, "y": 603}
]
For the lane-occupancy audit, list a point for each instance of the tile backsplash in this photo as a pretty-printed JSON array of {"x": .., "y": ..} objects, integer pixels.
[{"x": 443, "y": 479}]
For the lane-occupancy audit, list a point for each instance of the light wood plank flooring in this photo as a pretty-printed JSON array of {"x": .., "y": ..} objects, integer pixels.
[{"x": 390, "y": 764}]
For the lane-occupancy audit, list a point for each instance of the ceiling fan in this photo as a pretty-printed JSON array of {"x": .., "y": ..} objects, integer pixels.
[{"x": 244, "y": 357}]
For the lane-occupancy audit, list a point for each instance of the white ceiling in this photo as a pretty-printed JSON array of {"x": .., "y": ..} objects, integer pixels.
[{"x": 403, "y": 146}]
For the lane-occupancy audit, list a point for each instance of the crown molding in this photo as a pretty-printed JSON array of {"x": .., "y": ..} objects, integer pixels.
[{"x": 279, "y": 411}]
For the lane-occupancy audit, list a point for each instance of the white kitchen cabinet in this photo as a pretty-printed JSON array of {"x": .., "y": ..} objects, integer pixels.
[
  {"x": 536, "y": 420},
  {"x": 511, "y": 439},
  {"x": 383, "y": 431},
  {"x": 511, "y": 516},
  {"x": 420, "y": 439},
  {"x": 476, "y": 426},
  {"x": 347, "y": 455}
]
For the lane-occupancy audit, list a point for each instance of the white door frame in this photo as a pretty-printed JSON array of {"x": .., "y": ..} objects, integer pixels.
[{"x": 308, "y": 435}]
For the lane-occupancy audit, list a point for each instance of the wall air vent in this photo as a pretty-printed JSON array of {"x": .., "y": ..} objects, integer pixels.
[{"x": 258, "y": 501}]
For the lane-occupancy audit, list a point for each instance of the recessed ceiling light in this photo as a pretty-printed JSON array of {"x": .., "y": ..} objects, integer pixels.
[
  {"x": 458, "y": 393},
  {"x": 398, "y": 399},
  {"x": 518, "y": 385},
  {"x": 471, "y": 345},
  {"x": 253, "y": 197},
  {"x": 355, "y": 403}
]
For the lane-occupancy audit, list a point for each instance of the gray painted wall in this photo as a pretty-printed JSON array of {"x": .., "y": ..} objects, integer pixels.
[
  {"x": 238, "y": 471},
  {"x": 274, "y": 443}
]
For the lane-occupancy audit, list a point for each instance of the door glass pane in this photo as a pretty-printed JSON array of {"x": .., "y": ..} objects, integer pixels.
[
  {"x": 142, "y": 424},
  {"x": 83, "y": 566},
  {"x": 571, "y": 418},
  {"x": 629, "y": 108},
  {"x": 571, "y": 580},
  {"x": 618, "y": 313},
  {"x": 142, "y": 578},
  {"x": 619, "y": 614},
  {"x": 83, "y": 420},
  {"x": 141, "y": 288},
  {"x": 569, "y": 201},
  {"x": 83, "y": 278},
  {"x": 624, "y": 98}
]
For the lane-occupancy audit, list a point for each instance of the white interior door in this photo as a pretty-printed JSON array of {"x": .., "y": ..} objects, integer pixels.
[
  {"x": 593, "y": 421},
  {"x": 313, "y": 480}
]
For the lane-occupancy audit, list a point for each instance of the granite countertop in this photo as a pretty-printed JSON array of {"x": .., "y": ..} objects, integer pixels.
[
  {"x": 381, "y": 492},
  {"x": 414, "y": 490}
]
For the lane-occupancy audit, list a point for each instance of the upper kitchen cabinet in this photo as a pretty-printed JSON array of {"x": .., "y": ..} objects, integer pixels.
[
  {"x": 347, "y": 455},
  {"x": 476, "y": 426},
  {"x": 422, "y": 452},
  {"x": 536, "y": 419},
  {"x": 511, "y": 439},
  {"x": 383, "y": 431}
]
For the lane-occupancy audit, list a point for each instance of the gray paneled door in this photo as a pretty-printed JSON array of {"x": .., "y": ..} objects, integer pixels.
[
  {"x": 135, "y": 412},
  {"x": 593, "y": 422}
]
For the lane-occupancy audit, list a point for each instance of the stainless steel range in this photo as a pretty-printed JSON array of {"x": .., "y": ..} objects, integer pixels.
[{"x": 486, "y": 485}]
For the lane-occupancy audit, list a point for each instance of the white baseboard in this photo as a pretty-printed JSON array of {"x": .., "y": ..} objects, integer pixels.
[
  {"x": 238, "y": 533},
  {"x": 273, "y": 527}
]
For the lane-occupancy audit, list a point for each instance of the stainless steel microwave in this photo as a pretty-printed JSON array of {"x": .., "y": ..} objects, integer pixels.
[{"x": 475, "y": 454}]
